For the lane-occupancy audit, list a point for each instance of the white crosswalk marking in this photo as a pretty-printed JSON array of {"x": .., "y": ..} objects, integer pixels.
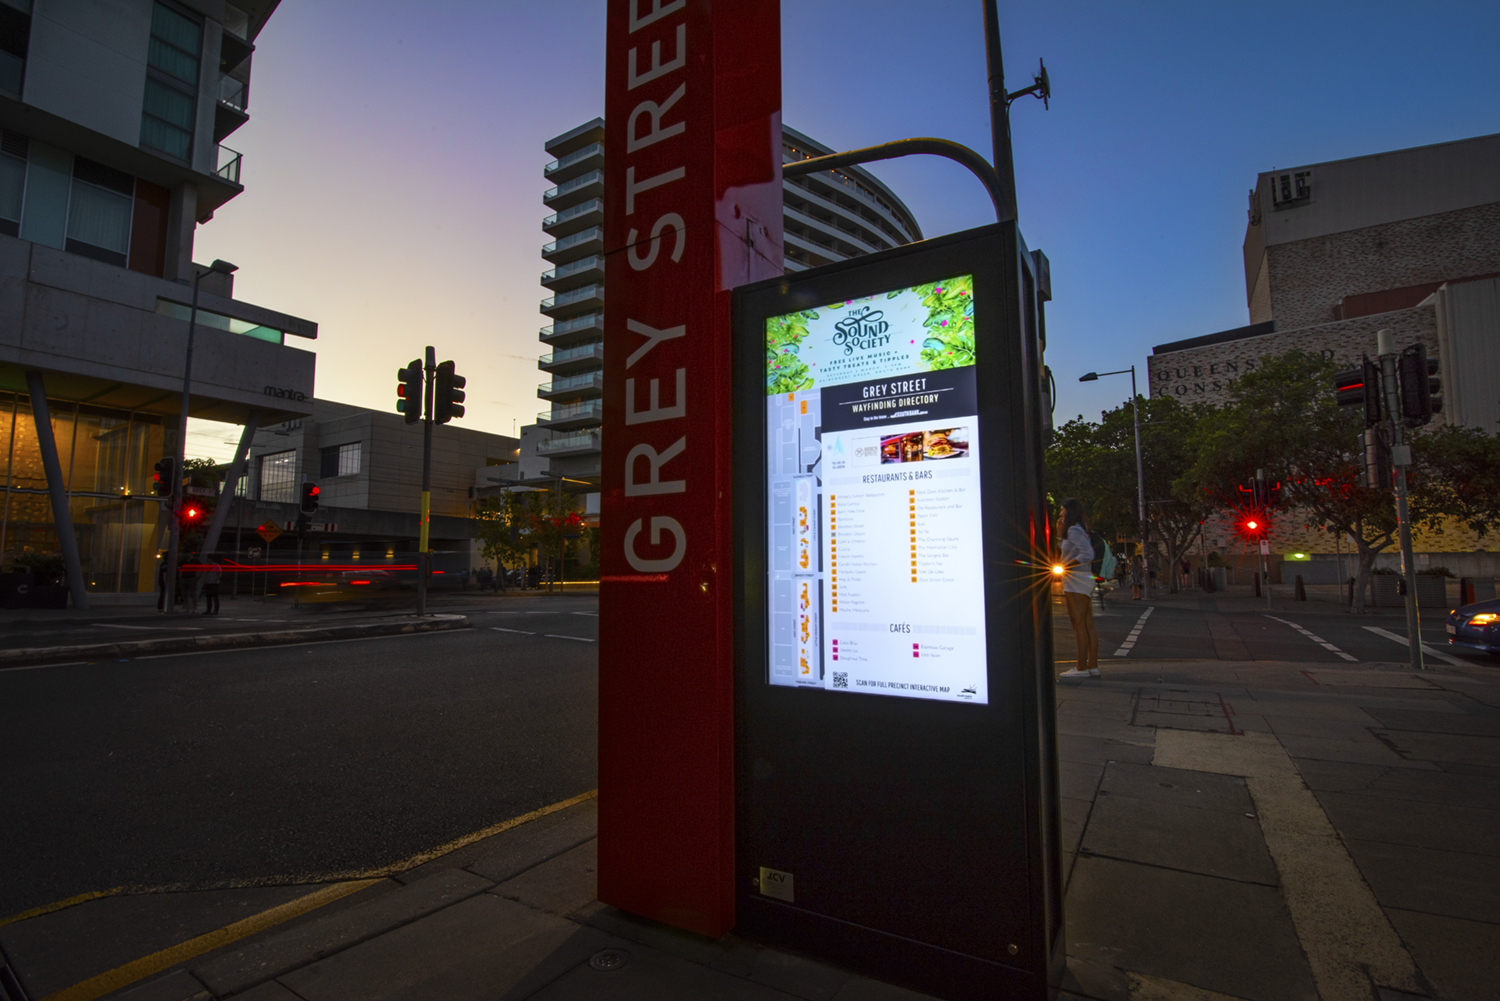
[
  {"x": 1427, "y": 650},
  {"x": 1314, "y": 637},
  {"x": 1135, "y": 633}
]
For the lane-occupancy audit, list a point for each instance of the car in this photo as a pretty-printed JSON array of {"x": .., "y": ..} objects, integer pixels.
[{"x": 1476, "y": 626}]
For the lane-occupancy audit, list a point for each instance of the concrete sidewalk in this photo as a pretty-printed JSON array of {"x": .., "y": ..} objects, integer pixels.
[{"x": 1262, "y": 831}]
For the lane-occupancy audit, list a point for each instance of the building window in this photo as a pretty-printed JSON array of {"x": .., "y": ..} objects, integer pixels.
[
  {"x": 13, "y": 149},
  {"x": 278, "y": 477},
  {"x": 171, "y": 83},
  {"x": 340, "y": 460},
  {"x": 15, "y": 35},
  {"x": 99, "y": 211}
]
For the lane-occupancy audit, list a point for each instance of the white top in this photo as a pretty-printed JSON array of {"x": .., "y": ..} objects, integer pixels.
[{"x": 1078, "y": 553}]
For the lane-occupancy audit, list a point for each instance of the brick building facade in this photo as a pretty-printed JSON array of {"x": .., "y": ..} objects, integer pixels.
[{"x": 1407, "y": 240}]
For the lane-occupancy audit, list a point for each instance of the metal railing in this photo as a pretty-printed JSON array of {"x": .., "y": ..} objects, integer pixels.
[
  {"x": 573, "y": 240},
  {"x": 595, "y": 350},
  {"x": 576, "y": 295},
  {"x": 572, "y": 268},
  {"x": 593, "y": 408},
  {"x": 588, "y": 380},
  {"x": 568, "y": 442},
  {"x": 589, "y": 321},
  {"x": 232, "y": 93},
  {"x": 230, "y": 169},
  {"x": 581, "y": 181},
  {"x": 572, "y": 158},
  {"x": 582, "y": 208}
]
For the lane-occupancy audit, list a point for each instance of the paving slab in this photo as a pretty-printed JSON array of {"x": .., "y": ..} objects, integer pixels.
[
  {"x": 1371, "y": 752},
  {"x": 649, "y": 975},
  {"x": 534, "y": 843},
  {"x": 280, "y": 952},
  {"x": 1217, "y": 934},
  {"x": 1453, "y": 884},
  {"x": 1078, "y": 779},
  {"x": 1435, "y": 825},
  {"x": 1075, "y": 814},
  {"x": 1461, "y": 958},
  {"x": 1098, "y": 750},
  {"x": 562, "y": 885},
  {"x": 796, "y": 975},
  {"x": 865, "y": 989},
  {"x": 1085, "y": 726},
  {"x": 1178, "y": 787},
  {"x": 674, "y": 941},
  {"x": 1317, "y": 726},
  {"x": 1115, "y": 710},
  {"x": 481, "y": 948},
  {"x": 69, "y": 946},
  {"x": 1444, "y": 747},
  {"x": 178, "y": 986},
  {"x": 1210, "y": 842},
  {"x": 268, "y": 991},
  {"x": 1402, "y": 783},
  {"x": 1474, "y": 724}
]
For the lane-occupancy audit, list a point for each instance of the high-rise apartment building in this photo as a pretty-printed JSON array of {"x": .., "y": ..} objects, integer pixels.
[
  {"x": 829, "y": 216},
  {"x": 113, "y": 118}
]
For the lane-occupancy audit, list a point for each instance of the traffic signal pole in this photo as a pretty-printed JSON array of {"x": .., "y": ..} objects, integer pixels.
[
  {"x": 424, "y": 558},
  {"x": 1400, "y": 459}
]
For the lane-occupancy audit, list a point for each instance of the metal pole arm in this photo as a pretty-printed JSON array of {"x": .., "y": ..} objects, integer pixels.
[{"x": 956, "y": 152}]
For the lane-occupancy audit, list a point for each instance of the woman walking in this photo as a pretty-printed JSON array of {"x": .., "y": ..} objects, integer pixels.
[
  {"x": 1137, "y": 577},
  {"x": 1078, "y": 586}
]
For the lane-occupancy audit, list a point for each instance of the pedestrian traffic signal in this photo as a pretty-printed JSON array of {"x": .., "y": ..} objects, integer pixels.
[
  {"x": 447, "y": 394},
  {"x": 191, "y": 515},
  {"x": 1254, "y": 525},
  {"x": 162, "y": 479},
  {"x": 409, "y": 392},
  {"x": 1420, "y": 385},
  {"x": 1377, "y": 459},
  {"x": 310, "y": 492},
  {"x": 1360, "y": 387}
]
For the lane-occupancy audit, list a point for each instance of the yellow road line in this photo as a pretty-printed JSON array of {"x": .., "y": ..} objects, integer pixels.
[
  {"x": 121, "y": 976},
  {"x": 37, "y": 912},
  {"x": 350, "y": 882}
]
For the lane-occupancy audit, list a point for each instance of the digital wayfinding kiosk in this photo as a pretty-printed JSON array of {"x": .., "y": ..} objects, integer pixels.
[{"x": 895, "y": 759}]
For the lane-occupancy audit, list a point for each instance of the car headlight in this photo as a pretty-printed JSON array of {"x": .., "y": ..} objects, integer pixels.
[{"x": 1483, "y": 618}]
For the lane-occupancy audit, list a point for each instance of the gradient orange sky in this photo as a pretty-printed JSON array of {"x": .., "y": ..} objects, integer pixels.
[{"x": 393, "y": 158}]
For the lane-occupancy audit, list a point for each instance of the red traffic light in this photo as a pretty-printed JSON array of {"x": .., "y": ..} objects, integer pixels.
[
  {"x": 314, "y": 490},
  {"x": 1252, "y": 524},
  {"x": 190, "y": 513}
]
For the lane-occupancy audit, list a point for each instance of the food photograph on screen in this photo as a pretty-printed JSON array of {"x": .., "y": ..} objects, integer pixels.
[{"x": 876, "y": 579}]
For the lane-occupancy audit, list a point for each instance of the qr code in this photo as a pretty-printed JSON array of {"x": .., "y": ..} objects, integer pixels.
[{"x": 840, "y": 679}]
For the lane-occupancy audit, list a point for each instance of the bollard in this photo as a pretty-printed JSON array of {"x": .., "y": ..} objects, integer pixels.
[
  {"x": 1465, "y": 591},
  {"x": 1257, "y": 583},
  {"x": 1301, "y": 589}
]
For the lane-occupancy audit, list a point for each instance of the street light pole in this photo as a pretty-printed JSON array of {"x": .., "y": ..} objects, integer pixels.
[
  {"x": 175, "y": 504},
  {"x": 1140, "y": 467}
]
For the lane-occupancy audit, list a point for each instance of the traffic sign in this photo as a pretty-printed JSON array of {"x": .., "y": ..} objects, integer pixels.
[{"x": 269, "y": 531}]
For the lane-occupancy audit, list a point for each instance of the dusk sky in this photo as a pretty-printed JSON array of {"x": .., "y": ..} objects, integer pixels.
[{"x": 393, "y": 158}]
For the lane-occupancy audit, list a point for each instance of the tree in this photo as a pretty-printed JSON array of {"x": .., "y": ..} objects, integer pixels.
[
  {"x": 1282, "y": 418},
  {"x": 513, "y": 525},
  {"x": 1096, "y": 463},
  {"x": 1461, "y": 469}
]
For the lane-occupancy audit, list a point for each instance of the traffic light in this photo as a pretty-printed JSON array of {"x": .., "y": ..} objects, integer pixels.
[
  {"x": 1420, "y": 385},
  {"x": 1360, "y": 387},
  {"x": 310, "y": 492},
  {"x": 1377, "y": 459},
  {"x": 409, "y": 392},
  {"x": 1254, "y": 525},
  {"x": 162, "y": 480},
  {"x": 192, "y": 514},
  {"x": 447, "y": 394}
]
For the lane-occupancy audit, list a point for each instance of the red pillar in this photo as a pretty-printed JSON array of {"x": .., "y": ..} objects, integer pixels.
[{"x": 692, "y": 209}]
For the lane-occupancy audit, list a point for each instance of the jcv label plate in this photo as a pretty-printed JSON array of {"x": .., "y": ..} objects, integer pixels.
[{"x": 775, "y": 883}]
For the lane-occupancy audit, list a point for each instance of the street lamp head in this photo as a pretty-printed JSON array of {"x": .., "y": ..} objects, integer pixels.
[
  {"x": 223, "y": 267},
  {"x": 1090, "y": 377}
]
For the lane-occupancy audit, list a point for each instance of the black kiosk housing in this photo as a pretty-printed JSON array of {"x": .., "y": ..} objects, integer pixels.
[{"x": 922, "y": 835}]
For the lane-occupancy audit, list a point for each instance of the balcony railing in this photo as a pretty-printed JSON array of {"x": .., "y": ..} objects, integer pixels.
[
  {"x": 595, "y": 350},
  {"x": 589, "y": 321},
  {"x": 575, "y": 296},
  {"x": 577, "y": 411},
  {"x": 229, "y": 165},
  {"x": 582, "y": 264},
  {"x": 588, "y": 380},
  {"x": 573, "y": 240},
  {"x": 581, "y": 442},
  {"x": 232, "y": 92},
  {"x": 583, "y": 208},
  {"x": 567, "y": 161},
  {"x": 582, "y": 181}
]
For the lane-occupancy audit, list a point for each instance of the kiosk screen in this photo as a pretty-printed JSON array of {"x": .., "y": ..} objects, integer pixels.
[{"x": 876, "y": 580}]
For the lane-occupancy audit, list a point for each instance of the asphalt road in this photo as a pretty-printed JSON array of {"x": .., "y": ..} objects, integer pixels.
[{"x": 291, "y": 763}]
